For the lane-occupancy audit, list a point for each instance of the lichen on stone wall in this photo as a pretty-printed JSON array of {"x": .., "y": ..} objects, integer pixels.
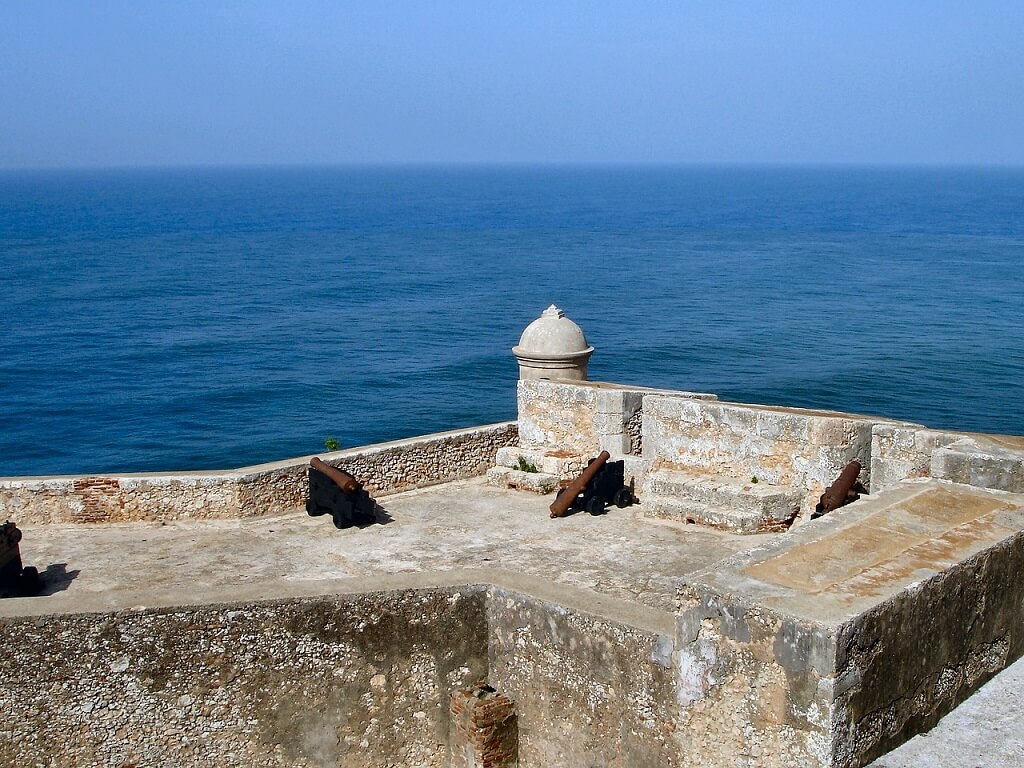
[
  {"x": 588, "y": 691},
  {"x": 351, "y": 681}
]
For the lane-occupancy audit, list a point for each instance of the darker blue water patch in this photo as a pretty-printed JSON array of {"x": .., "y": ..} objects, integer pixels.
[{"x": 187, "y": 319}]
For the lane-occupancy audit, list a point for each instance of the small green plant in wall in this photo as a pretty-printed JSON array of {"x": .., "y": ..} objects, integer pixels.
[
  {"x": 753, "y": 479},
  {"x": 332, "y": 444},
  {"x": 524, "y": 466}
]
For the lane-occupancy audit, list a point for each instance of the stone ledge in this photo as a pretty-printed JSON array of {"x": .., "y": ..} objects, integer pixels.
[{"x": 844, "y": 638}]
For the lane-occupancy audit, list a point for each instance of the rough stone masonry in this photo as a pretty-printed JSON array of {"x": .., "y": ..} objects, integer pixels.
[{"x": 250, "y": 635}]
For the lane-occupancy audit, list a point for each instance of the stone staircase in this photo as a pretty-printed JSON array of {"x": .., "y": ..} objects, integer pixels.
[{"x": 732, "y": 504}]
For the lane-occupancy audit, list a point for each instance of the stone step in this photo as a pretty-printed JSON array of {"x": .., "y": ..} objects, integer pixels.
[
  {"x": 728, "y": 503},
  {"x": 538, "y": 482},
  {"x": 559, "y": 463}
]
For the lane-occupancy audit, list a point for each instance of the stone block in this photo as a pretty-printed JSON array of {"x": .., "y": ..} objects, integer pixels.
[
  {"x": 562, "y": 464},
  {"x": 835, "y": 643},
  {"x": 987, "y": 461},
  {"x": 741, "y": 506},
  {"x": 537, "y": 482}
]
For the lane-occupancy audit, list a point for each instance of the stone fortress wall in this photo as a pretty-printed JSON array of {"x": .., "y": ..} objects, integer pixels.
[
  {"x": 822, "y": 646},
  {"x": 392, "y": 467},
  {"x": 746, "y": 452}
]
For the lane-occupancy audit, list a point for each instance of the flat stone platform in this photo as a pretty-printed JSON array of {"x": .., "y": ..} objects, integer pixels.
[
  {"x": 458, "y": 533},
  {"x": 620, "y": 566}
]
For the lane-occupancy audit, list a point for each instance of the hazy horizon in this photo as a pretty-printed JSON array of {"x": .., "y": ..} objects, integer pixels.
[{"x": 118, "y": 84}]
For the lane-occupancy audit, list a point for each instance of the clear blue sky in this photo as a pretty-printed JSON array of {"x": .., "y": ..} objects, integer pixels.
[{"x": 182, "y": 83}]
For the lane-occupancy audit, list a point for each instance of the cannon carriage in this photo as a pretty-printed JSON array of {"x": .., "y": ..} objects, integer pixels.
[
  {"x": 335, "y": 492},
  {"x": 16, "y": 580},
  {"x": 602, "y": 483}
]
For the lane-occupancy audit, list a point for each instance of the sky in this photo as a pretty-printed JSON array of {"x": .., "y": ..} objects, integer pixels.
[{"x": 140, "y": 83}]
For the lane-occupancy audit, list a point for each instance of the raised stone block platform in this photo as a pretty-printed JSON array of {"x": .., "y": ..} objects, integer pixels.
[
  {"x": 835, "y": 643},
  {"x": 735, "y": 505}
]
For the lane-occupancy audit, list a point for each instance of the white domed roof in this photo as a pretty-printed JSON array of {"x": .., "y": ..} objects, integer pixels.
[{"x": 552, "y": 335}]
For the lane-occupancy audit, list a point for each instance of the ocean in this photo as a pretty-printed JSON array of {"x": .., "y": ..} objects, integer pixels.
[{"x": 210, "y": 318}]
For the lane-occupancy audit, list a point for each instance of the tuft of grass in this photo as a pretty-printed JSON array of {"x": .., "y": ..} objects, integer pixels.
[
  {"x": 524, "y": 466},
  {"x": 332, "y": 444},
  {"x": 753, "y": 479}
]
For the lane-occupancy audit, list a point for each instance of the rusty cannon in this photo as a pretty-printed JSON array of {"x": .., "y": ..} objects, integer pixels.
[
  {"x": 600, "y": 484},
  {"x": 15, "y": 580},
  {"x": 334, "y": 491},
  {"x": 844, "y": 490}
]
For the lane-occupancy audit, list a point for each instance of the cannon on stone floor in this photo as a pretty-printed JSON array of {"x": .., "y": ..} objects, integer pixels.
[
  {"x": 600, "y": 484},
  {"x": 845, "y": 490},
  {"x": 15, "y": 580},
  {"x": 335, "y": 492}
]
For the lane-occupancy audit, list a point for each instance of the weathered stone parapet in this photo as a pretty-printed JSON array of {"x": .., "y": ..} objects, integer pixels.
[
  {"x": 783, "y": 446},
  {"x": 834, "y": 644},
  {"x": 900, "y": 452},
  {"x": 987, "y": 461},
  {"x": 249, "y": 491},
  {"x": 361, "y": 681},
  {"x": 383, "y": 468},
  {"x": 903, "y": 452},
  {"x": 122, "y": 498},
  {"x": 789, "y": 447},
  {"x": 588, "y": 690},
  {"x": 584, "y": 417}
]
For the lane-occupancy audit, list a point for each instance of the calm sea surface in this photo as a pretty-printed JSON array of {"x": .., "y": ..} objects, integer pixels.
[{"x": 159, "y": 320}]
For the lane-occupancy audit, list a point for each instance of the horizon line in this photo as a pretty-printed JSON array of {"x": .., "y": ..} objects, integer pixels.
[{"x": 521, "y": 164}]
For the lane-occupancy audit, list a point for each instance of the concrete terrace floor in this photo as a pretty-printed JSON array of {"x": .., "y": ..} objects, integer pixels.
[{"x": 617, "y": 565}]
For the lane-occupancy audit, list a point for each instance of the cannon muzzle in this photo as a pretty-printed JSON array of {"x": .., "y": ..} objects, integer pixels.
[{"x": 844, "y": 490}]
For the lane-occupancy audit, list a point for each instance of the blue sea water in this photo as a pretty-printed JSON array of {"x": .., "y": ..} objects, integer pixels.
[{"x": 189, "y": 319}]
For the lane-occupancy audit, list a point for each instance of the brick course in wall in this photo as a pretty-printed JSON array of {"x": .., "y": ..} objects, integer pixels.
[{"x": 485, "y": 731}]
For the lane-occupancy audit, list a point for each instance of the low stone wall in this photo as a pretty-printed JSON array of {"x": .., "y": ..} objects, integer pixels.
[
  {"x": 781, "y": 446},
  {"x": 358, "y": 681},
  {"x": 901, "y": 452},
  {"x": 249, "y": 491}
]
